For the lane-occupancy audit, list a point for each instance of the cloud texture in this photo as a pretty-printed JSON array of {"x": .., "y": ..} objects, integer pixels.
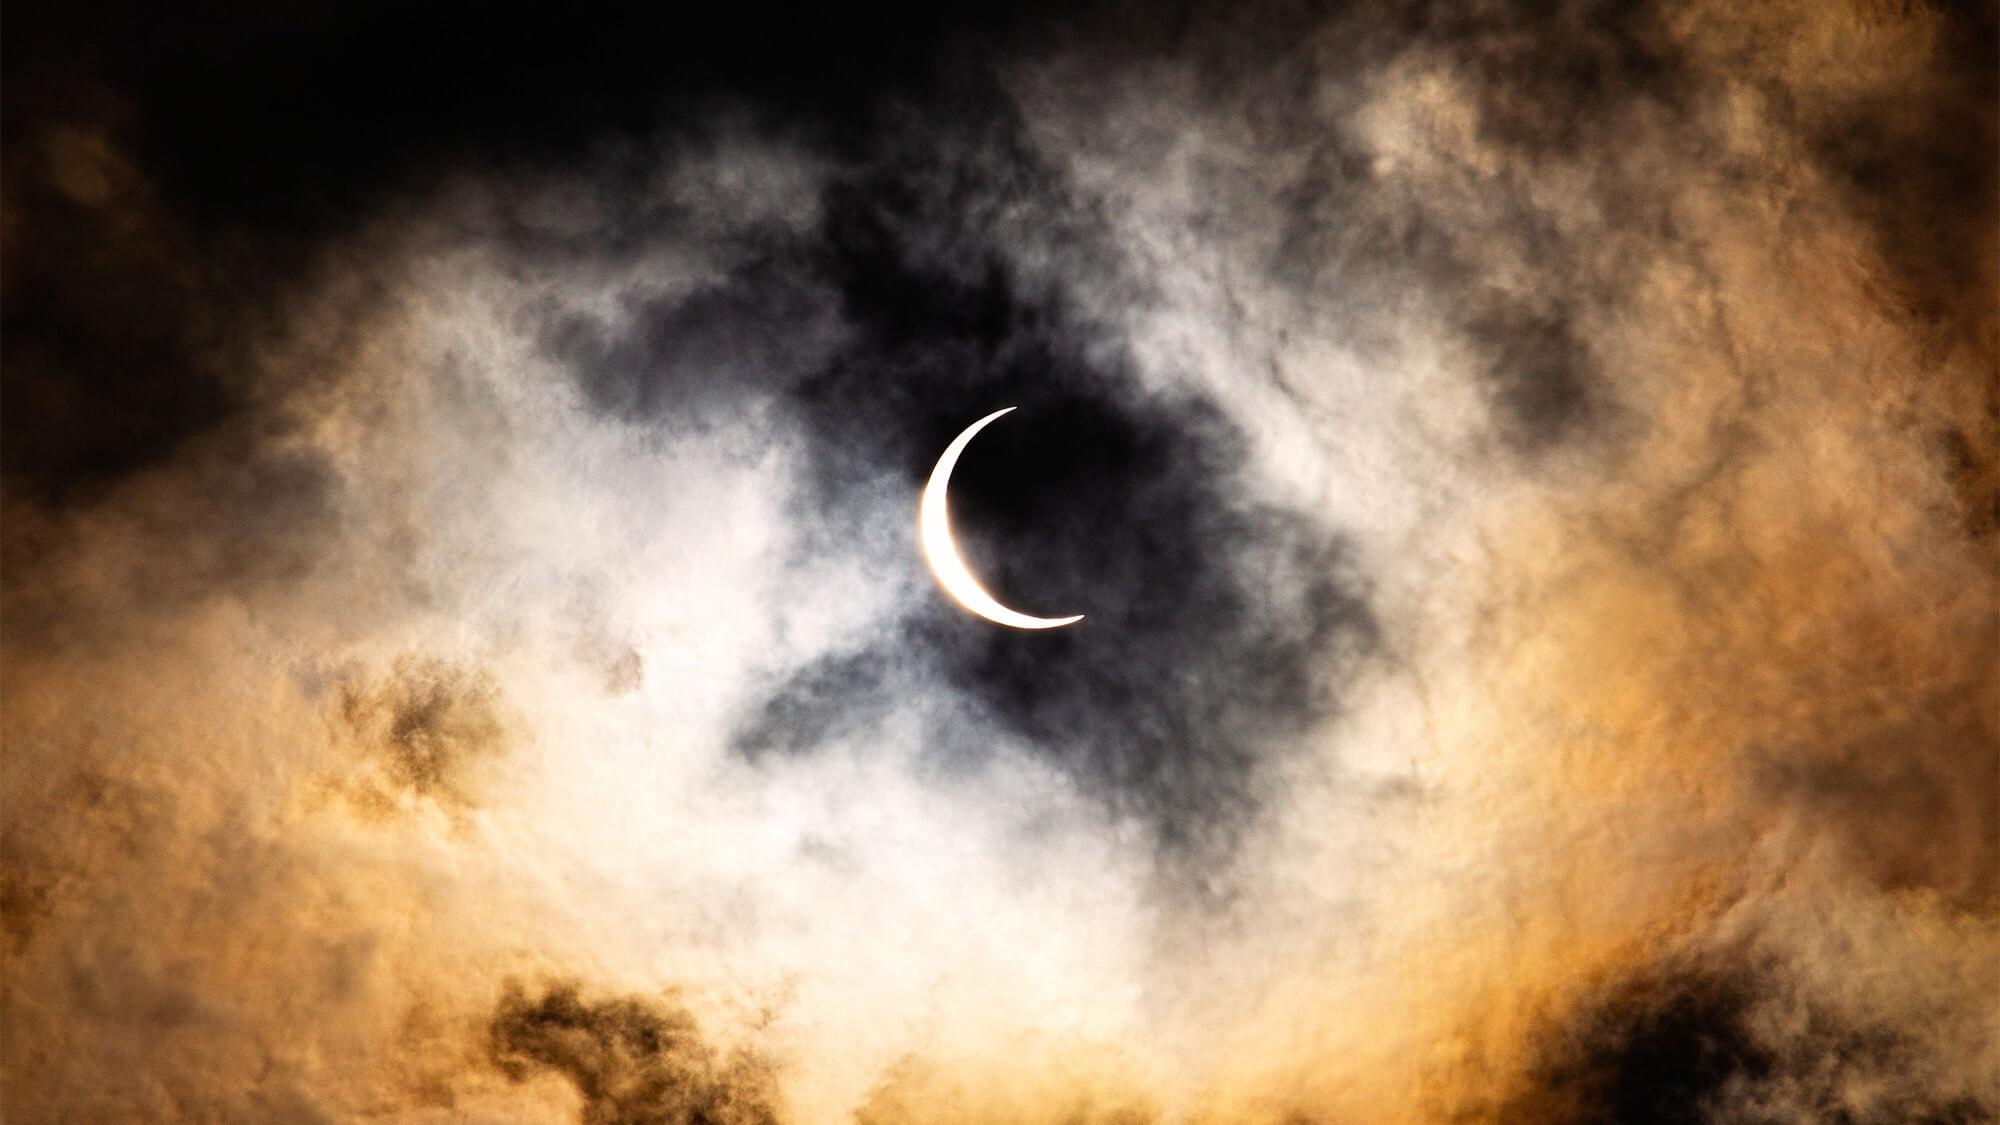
[{"x": 1533, "y": 477}]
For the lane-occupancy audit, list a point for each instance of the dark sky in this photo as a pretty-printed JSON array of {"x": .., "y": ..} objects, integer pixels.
[
  {"x": 265, "y": 131},
  {"x": 268, "y": 136}
]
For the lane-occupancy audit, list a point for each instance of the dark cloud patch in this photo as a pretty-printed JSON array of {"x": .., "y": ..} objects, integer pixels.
[
  {"x": 1684, "y": 1045},
  {"x": 1213, "y": 621},
  {"x": 1655, "y": 1052},
  {"x": 262, "y": 513},
  {"x": 634, "y": 1060},
  {"x": 1913, "y": 802},
  {"x": 1552, "y": 85},
  {"x": 1556, "y": 80},
  {"x": 26, "y": 898},
  {"x": 1537, "y": 371},
  {"x": 104, "y": 317},
  {"x": 1972, "y": 466},
  {"x": 1348, "y": 239},
  {"x": 296, "y": 122},
  {"x": 43, "y": 870},
  {"x": 259, "y": 136},
  {"x": 834, "y": 696},
  {"x": 684, "y": 357},
  {"x": 426, "y": 727},
  {"x": 1921, "y": 164}
]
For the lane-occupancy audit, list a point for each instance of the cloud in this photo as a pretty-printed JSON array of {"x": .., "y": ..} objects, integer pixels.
[
  {"x": 1528, "y": 475},
  {"x": 630, "y": 1060}
]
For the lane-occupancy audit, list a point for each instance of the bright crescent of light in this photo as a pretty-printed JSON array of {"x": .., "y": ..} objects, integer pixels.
[{"x": 941, "y": 551}]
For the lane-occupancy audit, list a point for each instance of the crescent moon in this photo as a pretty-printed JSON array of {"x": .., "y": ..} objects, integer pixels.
[{"x": 941, "y": 550}]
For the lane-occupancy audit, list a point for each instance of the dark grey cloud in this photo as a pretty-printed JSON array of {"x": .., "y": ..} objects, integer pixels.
[
  {"x": 174, "y": 178},
  {"x": 1920, "y": 163},
  {"x": 426, "y": 725},
  {"x": 1216, "y": 623},
  {"x": 1541, "y": 376},
  {"x": 1725, "y": 1040},
  {"x": 634, "y": 1060}
]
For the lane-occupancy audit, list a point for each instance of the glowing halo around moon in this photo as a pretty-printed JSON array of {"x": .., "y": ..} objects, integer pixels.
[{"x": 941, "y": 550}]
